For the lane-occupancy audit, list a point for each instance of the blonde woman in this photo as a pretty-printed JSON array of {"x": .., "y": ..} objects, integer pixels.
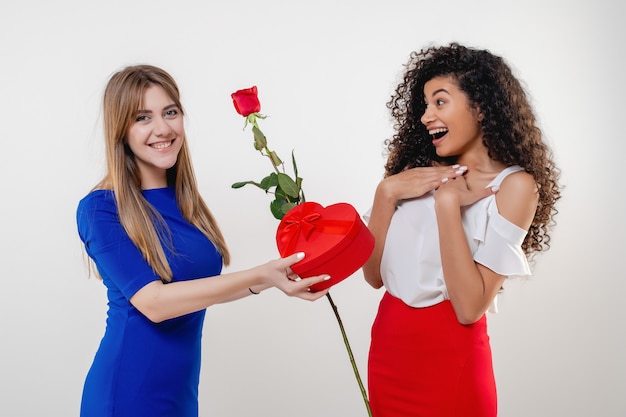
[{"x": 159, "y": 252}]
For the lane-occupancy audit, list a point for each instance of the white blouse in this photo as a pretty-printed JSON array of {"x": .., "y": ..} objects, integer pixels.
[{"x": 411, "y": 262}]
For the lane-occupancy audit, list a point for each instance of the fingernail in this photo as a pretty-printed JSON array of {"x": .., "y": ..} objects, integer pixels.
[
  {"x": 327, "y": 277},
  {"x": 495, "y": 188},
  {"x": 455, "y": 166},
  {"x": 444, "y": 180},
  {"x": 300, "y": 255}
]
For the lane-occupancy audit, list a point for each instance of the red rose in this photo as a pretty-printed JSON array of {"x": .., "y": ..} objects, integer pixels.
[{"x": 246, "y": 101}]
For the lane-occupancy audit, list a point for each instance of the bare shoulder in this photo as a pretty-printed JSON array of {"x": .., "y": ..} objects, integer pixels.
[
  {"x": 517, "y": 198},
  {"x": 519, "y": 182}
]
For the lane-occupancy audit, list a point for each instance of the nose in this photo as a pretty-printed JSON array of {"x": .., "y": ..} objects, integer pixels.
[
  {"x": 161, "y": 128},
  {"x": 428, "y": 116}
]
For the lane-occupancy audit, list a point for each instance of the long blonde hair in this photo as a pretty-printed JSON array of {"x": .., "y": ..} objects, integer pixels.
[{"x": 143, "y": 224}]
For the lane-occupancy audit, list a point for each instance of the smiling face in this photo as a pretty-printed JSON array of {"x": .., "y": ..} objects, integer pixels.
[
  {"x": 156, "y": 136},
  {"x": 450, "y": 120}
]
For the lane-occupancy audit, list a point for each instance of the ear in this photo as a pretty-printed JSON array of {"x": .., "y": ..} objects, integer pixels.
[{"x": 479, "y": 114}]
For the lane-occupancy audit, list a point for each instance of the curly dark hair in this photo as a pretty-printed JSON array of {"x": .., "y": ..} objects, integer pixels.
[{"x": 510, "y": 130}]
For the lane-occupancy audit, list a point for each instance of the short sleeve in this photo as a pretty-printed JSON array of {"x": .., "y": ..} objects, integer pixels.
[
  {"x": 118, "y": 260},
  {"x": 500, "y": 247}
]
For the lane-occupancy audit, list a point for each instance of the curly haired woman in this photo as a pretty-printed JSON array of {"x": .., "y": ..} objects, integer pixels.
[{"x": 468, "y": 196}]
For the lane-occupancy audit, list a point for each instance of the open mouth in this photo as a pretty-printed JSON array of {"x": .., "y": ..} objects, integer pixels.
[
  {"x": 162, "y": 145},
  {"x": 438, "y": 133}
]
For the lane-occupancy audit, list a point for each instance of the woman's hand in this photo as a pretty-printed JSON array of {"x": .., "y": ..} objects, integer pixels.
[
  {"x": 278, "y": 273},
  {"x": 416, "y": 182},
  {"x": 455, "y": 191}
]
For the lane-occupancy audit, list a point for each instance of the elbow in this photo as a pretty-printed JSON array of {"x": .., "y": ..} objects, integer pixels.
[
  {"x": 374, "y": 280},
  {"x": 468, "y": 320},
  {"x": 376, "y": 284},
  {"x": 153, "y": 315},
  {"x": 469, "y": 317},
  {"x": 151, "y": 312},
  {"x": 146, "y": 301}
]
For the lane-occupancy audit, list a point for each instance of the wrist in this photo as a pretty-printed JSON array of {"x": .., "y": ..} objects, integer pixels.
[
  {"x": 447, "y": 204},
  {"x": 385, "y": 193}
]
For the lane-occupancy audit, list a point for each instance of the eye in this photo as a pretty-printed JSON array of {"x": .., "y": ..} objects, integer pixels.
[
  {"x": 437, "y": 102},
  {"x": 171, "y": 113},
  {"x": 141, "y": 118}
]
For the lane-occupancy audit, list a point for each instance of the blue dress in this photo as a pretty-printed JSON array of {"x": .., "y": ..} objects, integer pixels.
[{"x": 143, "y": 368}]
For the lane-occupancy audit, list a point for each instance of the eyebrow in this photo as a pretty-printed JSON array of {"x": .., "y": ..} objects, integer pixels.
[
  {"x": 164, "y": 108},
  {"x": 441, "y": 90}
]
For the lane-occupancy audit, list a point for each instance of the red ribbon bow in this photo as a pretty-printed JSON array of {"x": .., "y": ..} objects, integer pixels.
[
  {"x": 295, "y": 226},
  {"x": 306, "y": 218}
]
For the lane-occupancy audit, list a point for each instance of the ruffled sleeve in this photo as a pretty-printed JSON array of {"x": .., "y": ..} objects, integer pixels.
[{"x": 500, "y": 245}]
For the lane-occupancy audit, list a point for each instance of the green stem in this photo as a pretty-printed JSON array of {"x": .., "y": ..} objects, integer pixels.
[
  {"x": 268, "y": 153},
  {"x": 252, "y": 119},
  {"x": 352, "y": 361}
]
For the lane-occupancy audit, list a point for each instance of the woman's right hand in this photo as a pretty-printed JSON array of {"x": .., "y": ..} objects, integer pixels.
[
  {"x": 416, "y": 182},
  {"x": 278, "y": 273}
]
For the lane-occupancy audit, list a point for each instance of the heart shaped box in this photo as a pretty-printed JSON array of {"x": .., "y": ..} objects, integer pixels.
[{"x": 334, "y": 238}]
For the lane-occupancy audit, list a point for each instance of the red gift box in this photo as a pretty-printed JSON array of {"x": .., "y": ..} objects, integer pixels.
[{"x": 334, "y": 238}]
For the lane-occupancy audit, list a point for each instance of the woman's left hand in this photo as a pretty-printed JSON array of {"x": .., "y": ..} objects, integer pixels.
[{"x": 456, "y": 191}]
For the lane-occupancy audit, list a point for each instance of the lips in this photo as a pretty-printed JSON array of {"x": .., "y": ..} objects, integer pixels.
[
  {"x": 161, "y": 145},
  {"x": 438, "y": 133}
]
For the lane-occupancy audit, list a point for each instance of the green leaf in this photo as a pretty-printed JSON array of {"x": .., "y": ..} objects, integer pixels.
[
  {"x": 243, "y": 183},
  {"x": 260, "y": 141},
  {"x": 279, "y": 193},
  {"x": 287, "y": 206},
  {"x": 295, "y": 166},
  {"x": 275, "y": 208},
  {"x": 276, "y": 161},
  {"x": 288, "y": 185},
  {"x": 269, "y": 181}
]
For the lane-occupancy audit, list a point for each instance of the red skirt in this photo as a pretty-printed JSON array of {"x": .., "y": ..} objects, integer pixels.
[{"x": 423, "y": 362}]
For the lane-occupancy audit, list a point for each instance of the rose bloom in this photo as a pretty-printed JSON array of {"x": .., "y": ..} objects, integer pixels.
[{"x": 246, "y": 101}]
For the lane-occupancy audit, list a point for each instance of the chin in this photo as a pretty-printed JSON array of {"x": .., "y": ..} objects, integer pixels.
[
  {"x": 442, "y": 154},
  {"x": 167, "y": 164},
  {"x": 447, "y": 157}
]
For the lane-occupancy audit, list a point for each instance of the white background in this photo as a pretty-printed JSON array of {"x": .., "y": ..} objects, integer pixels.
[{"x": 324, "y": 70}]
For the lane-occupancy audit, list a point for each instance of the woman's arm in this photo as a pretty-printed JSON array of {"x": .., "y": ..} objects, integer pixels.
[
  {"x": 158, "y": 301},
  {"x": 378, "y": 224},
  {"x": 471, "y": 286},
  {"x": 245, "y": 293}
]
